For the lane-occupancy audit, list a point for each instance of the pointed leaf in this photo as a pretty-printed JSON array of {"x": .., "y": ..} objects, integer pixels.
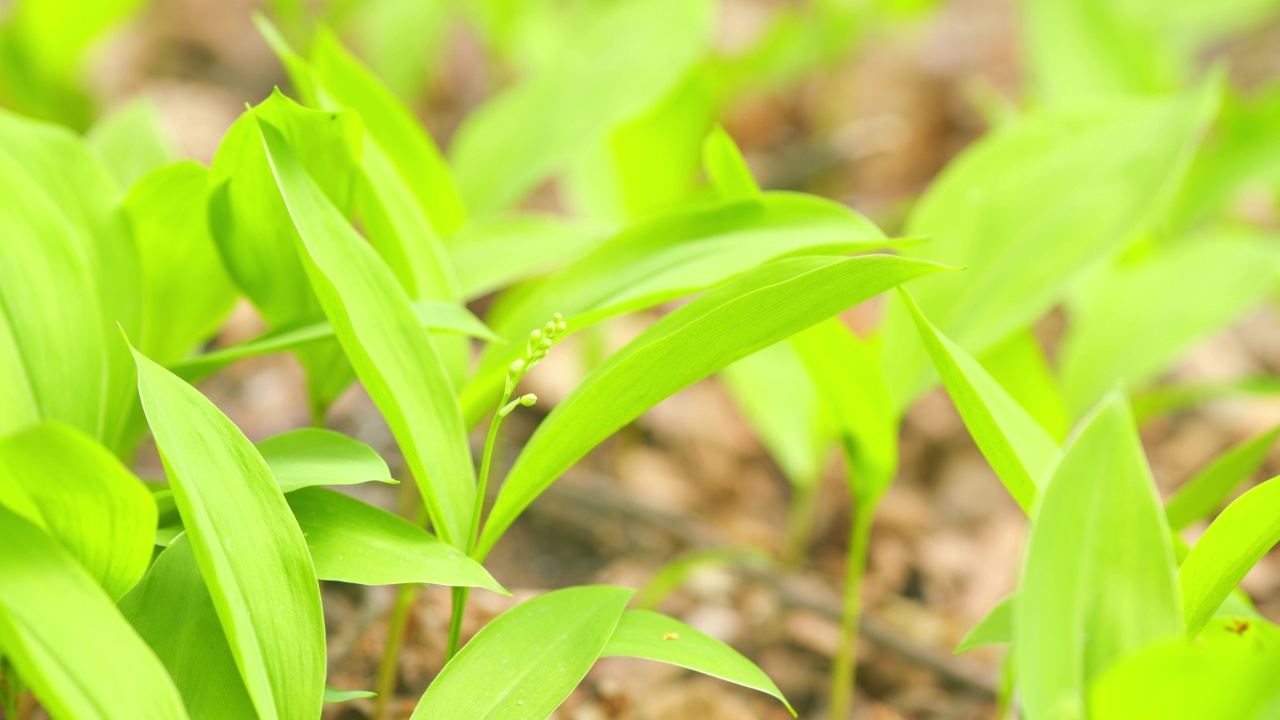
[
  {"x": 1206, "y": 491},
  {"x": 727, "y": 170},
  {"x": 994, "y": 629},
  {"x": 314, "y": 456}
]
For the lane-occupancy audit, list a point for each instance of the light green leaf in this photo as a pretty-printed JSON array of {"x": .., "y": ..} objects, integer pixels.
[
  {"x": 651, "y": 636},
  {"x": 131, "y": 141},
  {"x": 248, "y": 546},
  {"x": 315, "y": 456},
  {"x": 1233, "y": 544},
  {"x": 492, "y": 253},
  {"x": 1098, "y": 583},
  {"x": 1019, "y": 364},
  {"x": 1174, "y": 398},
  {"x": 186, "y": 291},
  {"x": 1017, "y": 447},
  {"x": 524, "y": 663},
  {"x": 1112, "y": 336},
  {"x": 726, "y": 168},
  {"x": 172, "y": 610},
  {"x": 1028, "y": 230},
  {"x": 995, "y": 628},
  {"x": 1209, "y": 487},
  {"x": 90, "y": 503},
  {"x": 352, "y": 541},
  {"x": 723, "y": 325},
  {"x": 66, "y": 638},
  {"x": 522, "y": 135},
  {"x": 394, "y": 357},
  {"x": 333, "y": 695}
]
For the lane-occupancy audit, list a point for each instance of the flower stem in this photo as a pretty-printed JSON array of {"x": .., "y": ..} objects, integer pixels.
[{"x": 843, "y": 674}]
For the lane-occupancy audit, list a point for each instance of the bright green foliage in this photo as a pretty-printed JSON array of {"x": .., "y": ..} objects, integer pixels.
[
  {"x": 492, "y": 253},
  {"x": 78, "y": 492},
  {"x": 66, "y": 638},
  {"x": 354, "y": 542},
  {"x": 394, "y": 357},
  {"x": 723, "y": 325},
  {"x": 1098, "y": 583},
  {"x": 248, "y": 546},
  {"x": 1019, "y": 364},
  {"x": 996, "y": 627},
  {"x": 648, "y": 635},
  {"x": 131, "y": 141},
  {"x": 1207, "y": 490},
  {"x": 314, "y": 456},
  {"x": 726, "y": 168},
  {"x": 525, "y": 662}
]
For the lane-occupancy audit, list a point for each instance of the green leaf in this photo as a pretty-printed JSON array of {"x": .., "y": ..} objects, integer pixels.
[
  {"x": 248, "y": 546},
  {"x": 439, "y": 316},
  {"x": 131, "y": 141},
  {"x": 994, "y": 629},
  {"x": 1017, "y": 447},
  {"x": 1028, "y": 230},
  {"x": 1019, "y": 364},
  {"x": 172, "y": 610},
  {"x": 394, "y": 357},
  {"x": 90, "y": 503},
  {"x": 352, "y": 541},
  {"x": 519, "y": 137},
  {"x": 492, "y": 253},
  {"x": 186, "y": 294},
  {"x": 1098, "y": 584},
  {"x": 333, "y": 695},
  {"x": 524, "y": 663},
  {"x": 726, "y": 168},
  {"x": 66, "y": 638},
  {"x": 1209, "y": 487},
  {"x": 1233, "y": 544},
  {"x": 1174, "y": 398},
  {"x": 314, "y": 456},
  {"x": 723, "y": 325},
  {"x": 1112, "y": 336},
  {"x": 651, "y": 636}
]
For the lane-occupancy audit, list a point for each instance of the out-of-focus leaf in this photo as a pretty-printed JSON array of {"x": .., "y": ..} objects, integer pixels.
[
  {"x": 172, "y": 610},
  {"x": 87, "y": 501},
  {"x": 394, "y": 357},
  {"x": 1233, "y": 544},
  {"x": 1098, "y": 584},
  {"x": 665, "y": 258},
  {"x": 725, "y": 324},
  {"x": 525, "y": 662},
  {"x": 401, "y": 40},
  {"x": 726, "y": 168},
  {"x": 67, "y": 640},
  {"x": 995, "y": 628},
  {"x": 1112, "y": 336},
  {"x": 439, "y": 316},
  {"x": 1209, "y": 487},
  {"x": 1019, "y": 364},
  {"x": 131, "y": 141},
  {"x": 492, "y": 253},
  {"x": 651, "y": 636},
  {"x": 1017, "y": 447},
  {"x": 248, "y": 546},
  {"x": 315, "y": 456},
  {"x": 525, "y": 133},
  {"x": 1027, "y": 230},
  {"x": 352, "y": 541},
  {"x": 1174, "y": 398},
  {"x": 333, "y": 695},
  {"x": 186, "y": 291}
]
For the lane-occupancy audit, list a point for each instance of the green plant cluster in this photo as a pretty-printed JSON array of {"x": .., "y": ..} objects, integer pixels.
[{"x": 1107, "y": 198}]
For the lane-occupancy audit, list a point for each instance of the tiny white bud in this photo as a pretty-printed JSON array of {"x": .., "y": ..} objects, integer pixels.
[{"x": 515, "y": 366}]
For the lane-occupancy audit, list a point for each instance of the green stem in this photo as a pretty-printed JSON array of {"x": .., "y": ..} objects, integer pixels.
[
  {"x": 389, "y": 667},
  {"x": 800, "y": 512},
  {"x": 10, "y": 689},
  {"x": 843, "y": 674}
]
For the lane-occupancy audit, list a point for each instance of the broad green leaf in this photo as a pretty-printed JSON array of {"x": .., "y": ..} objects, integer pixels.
[
  {"x": 776, "y": 395},
  {"x": 1098, "y": 582},
  {"x": 1019, "y": 364},
  {"x": 1028, "y": 230},
  {"x": 248, "y": 546},
  {"x": 438, "y": 316},
  {"x": 726, "y": 168},
  {"x": 1209, "y": 487},
  {"x": 663, "y": 259},
  {"x": 725, "y": 324},
  {"x": 66, "y": 638},
  {"x": 524, "y": 663},
  {"x": 995, "y": 628},
  {"x": 186, "y": 291},
  {"x": 172, "y": 610},
  {"x": 519, "y": 137},
  {"x": 851, "y": 387},
  {"x": 352, "y": 541},
  {"x": 131, "y": 141},
  {"x": 394, "y": 357},
  {"x": 315, "y": 456},
  {"x": 651, "y": 636},
  {"x": 492, "y": 253},
  {"x": 90, "y": 503},
  {"x": 1233, "y": 544},
  {"x": 1017, "y": 447},
  {"x": 1113, "y": 334}
]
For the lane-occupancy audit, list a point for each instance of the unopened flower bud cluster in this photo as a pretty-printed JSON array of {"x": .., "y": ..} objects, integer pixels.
[{"x": 535, "y": 349}]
